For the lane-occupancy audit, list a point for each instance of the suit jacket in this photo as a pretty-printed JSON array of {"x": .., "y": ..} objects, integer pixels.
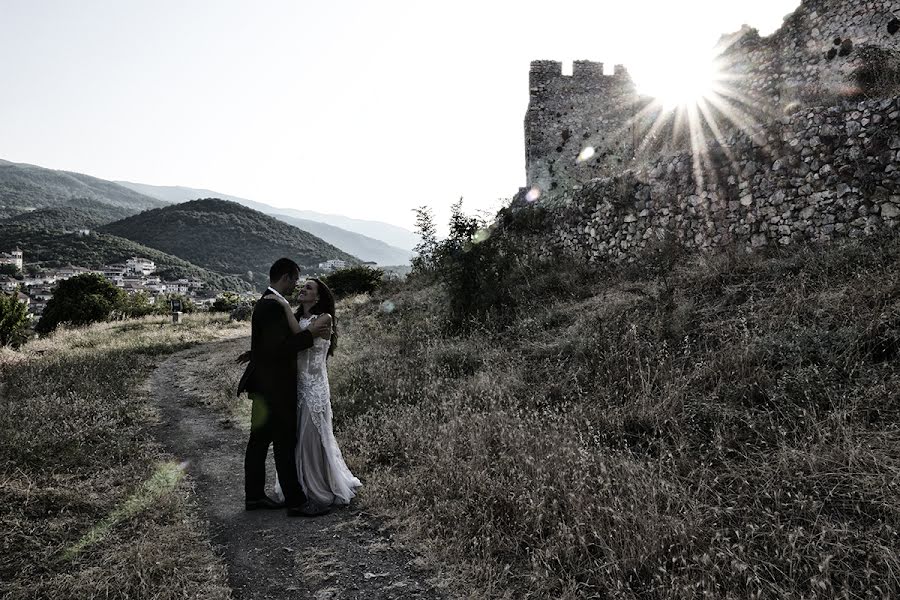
[{"x": 272, "y": 370}]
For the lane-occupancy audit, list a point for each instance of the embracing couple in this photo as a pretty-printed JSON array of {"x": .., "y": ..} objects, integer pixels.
[{"x": 287, "y": 381}]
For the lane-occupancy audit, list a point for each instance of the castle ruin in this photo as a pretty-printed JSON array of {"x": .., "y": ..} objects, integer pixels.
[{"x": 810, "y": 151}]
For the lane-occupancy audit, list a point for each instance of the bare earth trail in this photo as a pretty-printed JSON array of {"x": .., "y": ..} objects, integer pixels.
[{"x": 344, "y": 555}]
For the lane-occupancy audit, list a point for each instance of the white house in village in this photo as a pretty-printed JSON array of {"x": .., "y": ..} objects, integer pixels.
[
  {"x": 8, "y": 284},
  {"x": 40, "y": 294},
  {"x": 333, "y": 265},
  {"x": 71, "y": 271},
  {"x": 15, "y": 258},
  {"x": 42, "y": 279},
  {"x": 140, "y": 266}
]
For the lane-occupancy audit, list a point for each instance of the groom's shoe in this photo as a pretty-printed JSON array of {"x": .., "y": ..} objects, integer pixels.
[
  {"x": 308, "y": 509},
  {"x": 264, "y": 503}
]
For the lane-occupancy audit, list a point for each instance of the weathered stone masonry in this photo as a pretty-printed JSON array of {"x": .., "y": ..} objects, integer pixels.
[
  {"x": 820, "y": 160},
  {"x": 823, "y": 173}
]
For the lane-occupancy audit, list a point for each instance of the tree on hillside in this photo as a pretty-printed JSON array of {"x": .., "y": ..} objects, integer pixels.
[
  {"x": 354, "y": 280},
  {"x": 227, "y": 302},
  {"x": 423, "y": 262},
  {"x": 13, "y": 321},
  {"x": 136, "y": 305},
  {"x": 10, "y": 270},
  {"x": 80, "y": 300}
]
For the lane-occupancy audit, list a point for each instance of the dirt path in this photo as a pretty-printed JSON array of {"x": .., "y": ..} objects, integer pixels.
[{"x": 343, "y": 555}]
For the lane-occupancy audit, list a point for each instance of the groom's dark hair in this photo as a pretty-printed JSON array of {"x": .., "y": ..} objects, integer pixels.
[{"x": 282, "y": 267}]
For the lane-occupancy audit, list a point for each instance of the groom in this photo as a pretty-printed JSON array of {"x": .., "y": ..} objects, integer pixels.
[{"x": 271, "y": 382}]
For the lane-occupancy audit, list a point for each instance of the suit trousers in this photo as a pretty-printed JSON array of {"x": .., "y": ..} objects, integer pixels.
[{"x": 269, "y": 426}]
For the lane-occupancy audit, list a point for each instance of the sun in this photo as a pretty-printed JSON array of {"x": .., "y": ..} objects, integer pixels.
[
  {"x": 696, "y": 101},
  {"x": 677, "y": 85}
]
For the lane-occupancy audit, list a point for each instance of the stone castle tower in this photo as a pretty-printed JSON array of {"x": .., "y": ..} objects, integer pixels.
[{"x": 568, "y": 113}]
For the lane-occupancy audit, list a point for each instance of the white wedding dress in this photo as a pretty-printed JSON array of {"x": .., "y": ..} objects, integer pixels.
[{"x": 321, "y": 469}]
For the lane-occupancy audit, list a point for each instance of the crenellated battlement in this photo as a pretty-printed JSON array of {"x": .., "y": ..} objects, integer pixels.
[{"x": 544, "y": 72}]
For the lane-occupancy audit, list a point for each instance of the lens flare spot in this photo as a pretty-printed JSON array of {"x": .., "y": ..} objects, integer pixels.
[
  {"x": 481, "y": 235},
  {"x": 533, "y": 194},
  {"x": 586, "y": 154},
  {"x": 388, "y": 307}
]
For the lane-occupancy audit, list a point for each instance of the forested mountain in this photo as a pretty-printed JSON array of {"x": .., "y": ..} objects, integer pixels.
[
  {"x": 79, "y": 214},
  {"x": 46, "y": 239},
  {"x": 27, "y": 187},
  {"x": 226, "y": 237},
  {"x": 375, "y": 241}
]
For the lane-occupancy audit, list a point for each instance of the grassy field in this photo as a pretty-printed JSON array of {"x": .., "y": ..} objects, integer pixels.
[
  {"x": 724, "y": 429},
  {"x": 90, "y": 507}
]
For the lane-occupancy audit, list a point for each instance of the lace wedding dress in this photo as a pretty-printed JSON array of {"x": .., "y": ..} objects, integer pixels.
[{"x": 323, "y": 474}]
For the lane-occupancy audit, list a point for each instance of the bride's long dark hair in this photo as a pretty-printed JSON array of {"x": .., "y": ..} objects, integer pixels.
[{"x": 324, "y": 305}]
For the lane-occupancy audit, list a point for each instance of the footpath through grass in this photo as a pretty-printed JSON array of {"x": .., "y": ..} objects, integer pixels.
[
  {"x": 89, "y": 505},
  {"x": 724, "y": 429}
]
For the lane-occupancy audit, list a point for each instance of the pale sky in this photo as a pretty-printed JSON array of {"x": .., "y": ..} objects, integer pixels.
[{"x": 365, "y": 109}]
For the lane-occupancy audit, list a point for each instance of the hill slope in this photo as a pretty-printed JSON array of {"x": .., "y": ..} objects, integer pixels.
[
  {"x": 45, "y": 238},
  {"x": 396, "y": 239},
  {"x": 724, "y": 428},
  {"x": 27, "y": 187},
  {"x": 226, "y": 237}
]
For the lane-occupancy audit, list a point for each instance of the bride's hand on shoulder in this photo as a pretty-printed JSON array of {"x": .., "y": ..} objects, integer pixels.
[{"x": 321, "y": 326}]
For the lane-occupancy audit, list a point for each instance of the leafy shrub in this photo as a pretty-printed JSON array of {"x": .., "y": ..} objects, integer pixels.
[
  {"x": 14, "y": 321},
  {"x": 136, "y": 305},
  {"x": 227, "y": 302},
  {"x": 242, "y": 312},
  {"x": 80, "y": 300},
  {"x": 354, "y": 280},
  {"x": 491, "y": 273}
]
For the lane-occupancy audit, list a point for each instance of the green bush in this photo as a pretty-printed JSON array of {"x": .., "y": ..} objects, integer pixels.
[
  {"x": 227, "y": 302},
  {"x": 136, "y": 305},
  {"x": 80, "y": 300},
  {"x": 491, "y": 273},
  {"x": 14, "y": 321},
  {"x": 353, "y": 280}
]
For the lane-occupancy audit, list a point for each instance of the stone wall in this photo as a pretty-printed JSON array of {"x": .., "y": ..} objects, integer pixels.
[
  {"x": 819, "y": 174},
  {"x": 814, "y": 57},
  {"x": 817, "y": 57}
]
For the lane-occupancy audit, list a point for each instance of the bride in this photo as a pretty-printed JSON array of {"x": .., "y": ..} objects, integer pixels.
[{"x": 323, "y": 474}]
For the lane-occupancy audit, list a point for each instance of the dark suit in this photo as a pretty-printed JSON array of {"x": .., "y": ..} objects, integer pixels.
[{"x": 271, "y": 381}]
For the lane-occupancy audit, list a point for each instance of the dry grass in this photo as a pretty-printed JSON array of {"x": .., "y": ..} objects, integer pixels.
[
  {"x": 732, "y": 434},
  {"x": 91, "y": 507}
]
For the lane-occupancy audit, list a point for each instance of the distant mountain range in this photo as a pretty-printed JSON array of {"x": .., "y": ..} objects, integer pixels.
[
  {"x": 25, "y": 188},
  {"x": 226, "y": 237},
  {"x": 28, "y": 187},
  {"x": 227, "y": 244},
  {"x": 375, "y": 241}
]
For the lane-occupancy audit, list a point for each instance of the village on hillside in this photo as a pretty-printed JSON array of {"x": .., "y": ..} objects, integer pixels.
[{"x": 136, "y": 275}]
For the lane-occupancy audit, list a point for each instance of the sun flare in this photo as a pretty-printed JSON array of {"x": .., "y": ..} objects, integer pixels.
[
  {"x": 693, "y": 103},
  {"x": 678, "y": 85}
]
